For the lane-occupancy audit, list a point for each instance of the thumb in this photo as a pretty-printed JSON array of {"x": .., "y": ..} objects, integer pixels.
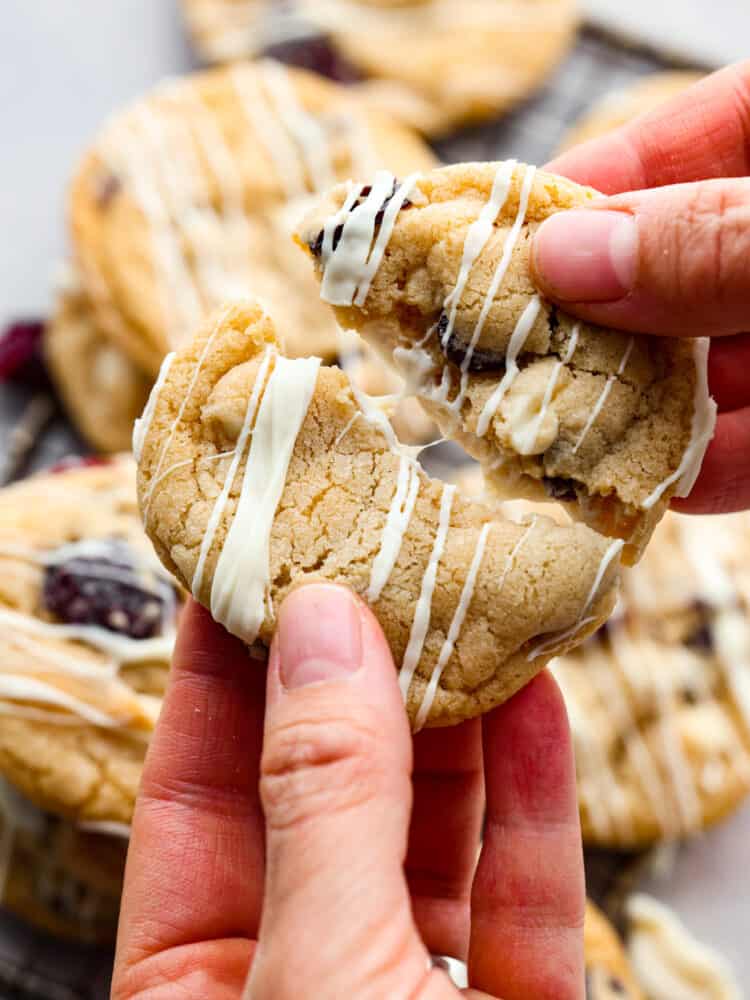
[
  {"x": 336, "y": 793},
  {"x": 672, "y": 260}
]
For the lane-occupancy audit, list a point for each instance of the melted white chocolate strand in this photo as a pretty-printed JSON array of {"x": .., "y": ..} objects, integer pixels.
[
  {"x": 350, "y": 264},
  {"x": 520, "y": 335},
  {"x": 143, "y": 424},
  {"x": 306, "y": 131},
  {"x": 396, "y": 523},
  {"x": 239, "y": 594},
  {"x": 155, "y": 479},
  {"x": 239, "y": 453},
  {"x": 669, "y": 962},
  {"x": 701, "y": 431},
  {"x": 525, "y": 436},
  {"x": 612, "y": 553},
  {"x": 454, "y": 629},
  {"x": 599, "y": 405},
  {"x": 476, "y": 240},
  {"x": 423, "y": 609}
]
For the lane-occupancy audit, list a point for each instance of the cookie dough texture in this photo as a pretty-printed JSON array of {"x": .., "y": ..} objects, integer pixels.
[
  {"x": 621, "y": 106},
  {"x": 189, "y": 197},
  {"x": 608, "y": 973},
  {"x": 58, "y": 876},
  {"x": 102, "y": 390},
  {"x": 613, "y": 424},
  {"x": 538, "y": 587},
  {"x": 659, "y": 702},
  {"x": 55, "y": 758},
  {"x": 435, "y": 64}
]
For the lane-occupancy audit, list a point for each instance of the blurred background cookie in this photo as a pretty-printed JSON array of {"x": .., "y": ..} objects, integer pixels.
[
  {"x": 659, "y": 700},
  {"x": 434, "y": 64},
  {"x": 58, "y": 876},
  {"x": 621, "y": 106}
]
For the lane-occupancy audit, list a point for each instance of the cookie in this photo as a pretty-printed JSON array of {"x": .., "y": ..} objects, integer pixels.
[
  {"x": 60, "y": 877},
  {"x": 669, "y": 961},
  {"x": 472, "y": 604},
  {"x": 439, "y": 64},
  {"x": 622, "y": 106},
  {"x": 435, "y": 272},
  {"x": 434, "y": 64},
  {"x": 88, "y": 618},
  {"x": 189, "y": 196},
  {"x": 608, "y": 973},
  {"x": 659, "y": 702},
  {"x": 102, "y": 390}
]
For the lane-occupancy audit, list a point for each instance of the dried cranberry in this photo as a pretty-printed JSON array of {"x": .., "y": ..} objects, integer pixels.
[
  {"x": 558, "y": 488},
  {"x": 455, "y": 351},
  {"x": 77, "y": 462},
  {"x": 316, "y": 53},
  {"x": 107, "y": 188},
  {"x": 22, "y": 355},
  {"x": 100, "y": 585}
]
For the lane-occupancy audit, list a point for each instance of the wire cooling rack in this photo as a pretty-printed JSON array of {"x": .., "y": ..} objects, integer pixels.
[{"x": 34, "y": 434}]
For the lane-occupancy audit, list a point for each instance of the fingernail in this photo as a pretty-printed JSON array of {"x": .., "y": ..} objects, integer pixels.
[
  {"x": 319, "y": 635},
  {"x": 587, "y": 256}
]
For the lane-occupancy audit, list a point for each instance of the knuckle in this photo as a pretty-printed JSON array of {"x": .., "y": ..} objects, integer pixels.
[{"x": 312, "y": 766}]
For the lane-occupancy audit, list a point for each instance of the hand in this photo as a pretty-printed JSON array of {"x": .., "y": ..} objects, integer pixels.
[
  {"x": 673, "y": 260},
  {"x": 333, "y": 864}
]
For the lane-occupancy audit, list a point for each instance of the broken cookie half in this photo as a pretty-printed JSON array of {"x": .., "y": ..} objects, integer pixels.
[
  {"x": 435, "y": 272},
  {"x": 258, "y": 473}
]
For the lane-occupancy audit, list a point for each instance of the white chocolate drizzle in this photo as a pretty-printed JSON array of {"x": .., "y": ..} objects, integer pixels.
[
  {"x": 396, "y": 523},
  {"x": 180, "y": 412},
  {"x": 701, "y": 431},
  {"x": 350, "y": 266},
  {"x": 604, "y": 396},
  {"x": 515, "y": 346},
  {"x": 143, "y": 424},
  {"x": 240, "y": 590},
  {"x": 669, "y": 962},
  {"x": 239, "y": 452},
  {"x": 525, "y": 438},
  {"x": 613, "y": 552},
  {"x": 423, "y": 609},
  {"x": 454, "y": 629}
]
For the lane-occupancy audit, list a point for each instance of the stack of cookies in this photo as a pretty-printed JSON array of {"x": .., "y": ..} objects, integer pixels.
[{"x": 276, "y": 385}]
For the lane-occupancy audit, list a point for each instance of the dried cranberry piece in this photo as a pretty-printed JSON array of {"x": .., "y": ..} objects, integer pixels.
[
  {"x": 316, "y": 53},
  {"x": 455, "y": 351},
  {"x": 558, "y": 488},
  {"x": 103, "y": 586},
  {"x": 22, "y": 355},
  {"x": 77, "y": 462}
]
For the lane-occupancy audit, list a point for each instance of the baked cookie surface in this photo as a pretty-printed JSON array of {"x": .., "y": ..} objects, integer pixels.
[
  {"x": 669, "y": 961},
  {"x": 434, "y": 64},
  {"x": 189, "y": 197},
  {"x": 63, "y": 878},
  {"x": 435, "y": 272},
  {"x": 236, "y": 435},
  {"x": 102, "y": 389},
  {"x": 622, "y": 106},
  {"x": 88, "y": 618},
  {"x": 608, "y": 973},
  {"x": 659, "y": 702}
]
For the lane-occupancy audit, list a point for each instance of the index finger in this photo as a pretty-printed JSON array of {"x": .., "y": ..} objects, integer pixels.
[
  {"x": 701, "y": 134},
  {"x": 196, "y": 859}
]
